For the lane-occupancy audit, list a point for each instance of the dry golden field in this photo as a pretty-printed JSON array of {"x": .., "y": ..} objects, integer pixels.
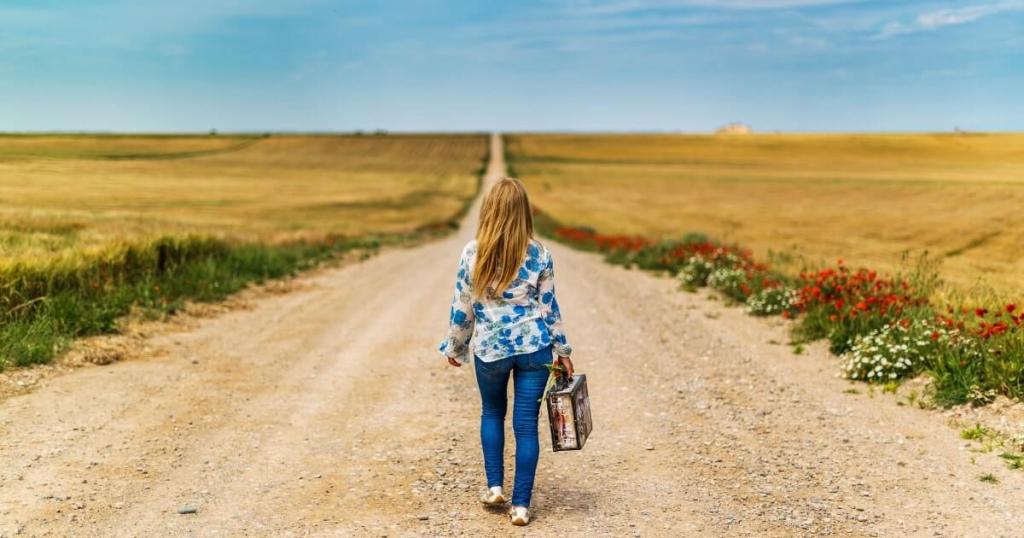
[
  {"x": 95, "y": 227},
  {"x": 864, "y": 198},
  {"x": 68, "y": 195},
  {"x": 70, "y": 146}
]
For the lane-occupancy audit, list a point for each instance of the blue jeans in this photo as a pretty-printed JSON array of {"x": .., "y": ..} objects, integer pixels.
[{"x": 530, "y": 374}]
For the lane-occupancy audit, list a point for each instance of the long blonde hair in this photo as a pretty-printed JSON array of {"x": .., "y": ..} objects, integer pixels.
[{"x": 506, "y": 227}]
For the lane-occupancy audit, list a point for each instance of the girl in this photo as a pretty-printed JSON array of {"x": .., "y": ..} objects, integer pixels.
[{"x": 505, "y": 303}]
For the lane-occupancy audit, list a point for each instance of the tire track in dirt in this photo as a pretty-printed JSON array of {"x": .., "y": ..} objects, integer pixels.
[{"x": 328, "y": 412}]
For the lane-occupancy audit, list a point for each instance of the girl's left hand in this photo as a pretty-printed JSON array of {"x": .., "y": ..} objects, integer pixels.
[{"x": 454, "y": 362}]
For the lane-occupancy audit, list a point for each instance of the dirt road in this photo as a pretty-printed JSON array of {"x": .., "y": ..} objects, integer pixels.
[{"x": 328, "y": 412}]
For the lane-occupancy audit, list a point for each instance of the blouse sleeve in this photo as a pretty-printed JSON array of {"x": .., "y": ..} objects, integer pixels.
[
  {"x": 549, "y": 309},
  {"x": 460, "y": 323}
]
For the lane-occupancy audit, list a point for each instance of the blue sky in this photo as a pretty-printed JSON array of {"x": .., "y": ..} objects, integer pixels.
[{"x": 413, "y": 65}]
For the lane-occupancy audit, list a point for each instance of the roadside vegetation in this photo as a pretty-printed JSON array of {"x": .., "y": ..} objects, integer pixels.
[
  {"x": 884, "y": 328},
  {"x": 862, "y": 198},
  {"x": 95, "y": 227}
]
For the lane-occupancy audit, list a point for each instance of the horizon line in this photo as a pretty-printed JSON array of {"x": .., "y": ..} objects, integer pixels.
[{"x": 386, "y": 132}]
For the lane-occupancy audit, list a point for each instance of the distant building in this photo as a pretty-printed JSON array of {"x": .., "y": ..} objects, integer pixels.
[{"x": 734, "y": 128}]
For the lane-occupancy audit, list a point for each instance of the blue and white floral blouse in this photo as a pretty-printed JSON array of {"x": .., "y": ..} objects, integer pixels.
[{"x": 523, "y": 319}]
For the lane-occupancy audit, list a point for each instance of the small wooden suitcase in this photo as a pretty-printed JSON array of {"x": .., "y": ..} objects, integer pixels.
[{"x": 569, "y": 413}]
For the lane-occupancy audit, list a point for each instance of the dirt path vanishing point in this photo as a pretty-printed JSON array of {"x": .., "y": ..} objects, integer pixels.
[{"x": 328, "y": 412}]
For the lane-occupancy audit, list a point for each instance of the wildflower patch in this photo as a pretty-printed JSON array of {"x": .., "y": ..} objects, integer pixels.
[{"x": 883, "y": 327}]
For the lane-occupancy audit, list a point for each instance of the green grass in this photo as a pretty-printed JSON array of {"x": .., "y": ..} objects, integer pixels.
[
  {"x": 45, "y": 308},
  {"x": 976, "y": 433},
  {"x": 989, "y": 478},
  {"x": 1013, "y": 460},
  {"x": 988, "y": 440}
]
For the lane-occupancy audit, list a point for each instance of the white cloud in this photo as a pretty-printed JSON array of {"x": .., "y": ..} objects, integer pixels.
[
  {"x": 951, "y": 16},
  {"x": 604, "y": 7},
  {"x": 947, "y": 17},
  {"x": 763, "y": 4},
  {"x": 893, "y": 29}
]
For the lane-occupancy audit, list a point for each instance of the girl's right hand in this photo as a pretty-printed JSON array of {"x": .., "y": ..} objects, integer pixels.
[{"x": 566, "y": 363}]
